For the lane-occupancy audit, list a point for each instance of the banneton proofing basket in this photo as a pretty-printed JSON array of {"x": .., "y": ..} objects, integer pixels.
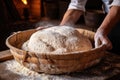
[{"x": 54, "y": 63}]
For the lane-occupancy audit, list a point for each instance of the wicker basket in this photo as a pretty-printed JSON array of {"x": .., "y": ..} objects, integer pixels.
[{"x": 53, "y": 63}]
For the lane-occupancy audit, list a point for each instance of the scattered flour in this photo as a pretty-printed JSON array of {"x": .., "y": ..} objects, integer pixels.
[{"x": 12, "y": 70}]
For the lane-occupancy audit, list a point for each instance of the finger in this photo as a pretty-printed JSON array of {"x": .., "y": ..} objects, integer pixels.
[
  {"x": 97, "y": 43},
  {"x": 107, "y": 42},
  {"x": 39, "y": 28}
]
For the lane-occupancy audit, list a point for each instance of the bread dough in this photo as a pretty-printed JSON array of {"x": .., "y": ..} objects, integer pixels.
[{"x": 57, "y": 39}]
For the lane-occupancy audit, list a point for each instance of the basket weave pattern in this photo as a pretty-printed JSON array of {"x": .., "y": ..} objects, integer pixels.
[{"x": 53, "y": 63}]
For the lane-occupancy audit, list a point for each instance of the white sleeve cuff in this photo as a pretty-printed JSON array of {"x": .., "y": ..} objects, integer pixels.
[
  {"x": 115, "y": 3},
  {"x": 77, "y": 4}
]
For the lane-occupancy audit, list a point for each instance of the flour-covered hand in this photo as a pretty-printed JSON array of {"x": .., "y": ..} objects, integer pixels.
[
  {"x": 102, "y": 39},
  {"x": 40, "y": 27}
]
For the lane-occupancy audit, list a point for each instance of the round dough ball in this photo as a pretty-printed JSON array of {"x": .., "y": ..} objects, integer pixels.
[{"x": 57, "y": 39}]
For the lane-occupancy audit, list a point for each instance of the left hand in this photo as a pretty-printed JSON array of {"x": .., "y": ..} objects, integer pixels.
[
  {"x": 40, "y": 28},
  {"x": 102, "y": 39}
]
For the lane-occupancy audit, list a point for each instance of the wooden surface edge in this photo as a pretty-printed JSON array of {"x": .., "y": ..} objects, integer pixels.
[{"x": 5, "y": 55}]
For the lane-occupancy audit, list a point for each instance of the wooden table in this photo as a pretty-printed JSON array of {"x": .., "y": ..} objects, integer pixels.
[
  {"x": 109, "y": 67},
  {"x": 5, "y": 55}
]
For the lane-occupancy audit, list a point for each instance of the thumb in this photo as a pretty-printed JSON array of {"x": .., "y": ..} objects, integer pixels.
[{"x": 97, "y": 43}]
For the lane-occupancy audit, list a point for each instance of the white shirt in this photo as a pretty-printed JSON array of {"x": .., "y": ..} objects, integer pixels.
[{"x": 80, "y": 4}]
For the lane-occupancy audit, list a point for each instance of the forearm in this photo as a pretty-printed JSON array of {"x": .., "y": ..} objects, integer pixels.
[
  {"x": 110, "y": 20},
  {"x": 71, "y": 16}
]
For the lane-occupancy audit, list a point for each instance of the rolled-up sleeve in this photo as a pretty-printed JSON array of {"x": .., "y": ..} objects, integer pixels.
[
  {"x": 115, "y": 3},
  {"x": 77, "y": 4}
]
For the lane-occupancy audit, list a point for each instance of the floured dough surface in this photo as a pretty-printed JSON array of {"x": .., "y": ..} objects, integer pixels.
[{"x": 57, "y": 39}]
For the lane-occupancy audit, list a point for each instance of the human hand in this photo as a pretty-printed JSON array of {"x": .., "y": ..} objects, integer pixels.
[
  {"x": 43, "y": 27},
  {"x": 40, "y": 28},
  {"x": 102, "y": 39}
]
